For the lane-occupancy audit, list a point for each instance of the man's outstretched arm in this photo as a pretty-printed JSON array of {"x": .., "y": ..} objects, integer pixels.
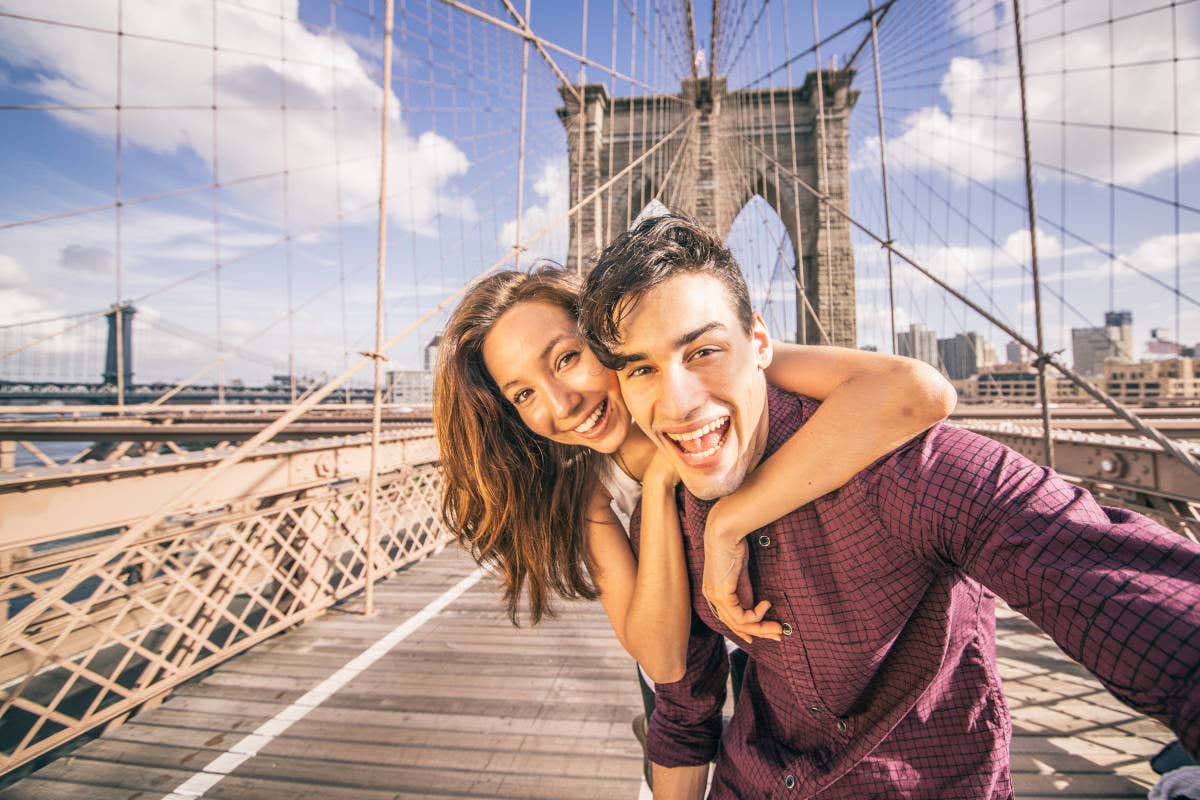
[
  {"x": 684, "y": 732},
  {"x": 1117, "y": 592},
  {"x": 680, "y": 783}
]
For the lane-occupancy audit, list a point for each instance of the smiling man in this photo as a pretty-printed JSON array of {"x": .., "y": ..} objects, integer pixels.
[{"x": 884, "y": 683}]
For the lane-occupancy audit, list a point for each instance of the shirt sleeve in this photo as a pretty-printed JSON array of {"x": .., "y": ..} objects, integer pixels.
[
  {"x": 685, "y": 728},
  {"x": 1117, "y": 592}
]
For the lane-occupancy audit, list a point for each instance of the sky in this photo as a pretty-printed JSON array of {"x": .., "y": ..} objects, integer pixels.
[{"x": 293, "y": 143}]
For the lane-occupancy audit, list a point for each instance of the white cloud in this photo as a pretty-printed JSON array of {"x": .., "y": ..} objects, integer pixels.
[
  {"x": 1017, "y": 245},
  {"x": 318, "y": 72},
  {"x": 977, "y": 88},
  {"x": 552, "y": 188},
  {"x": 1157, "y": 254}
]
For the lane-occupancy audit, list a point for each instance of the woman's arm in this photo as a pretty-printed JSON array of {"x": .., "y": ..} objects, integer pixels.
[
  {"x": 871, "y": 404},
  {"x": 647, "y": 600}
]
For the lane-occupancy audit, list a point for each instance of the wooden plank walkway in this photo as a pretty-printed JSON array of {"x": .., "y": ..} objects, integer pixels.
[{"x": 467, "y": 706}]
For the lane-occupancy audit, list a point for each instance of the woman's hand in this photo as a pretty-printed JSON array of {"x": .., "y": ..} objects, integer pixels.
[
  {"x": 661, "y": 472},
  {"x": 726, "y": 583}
]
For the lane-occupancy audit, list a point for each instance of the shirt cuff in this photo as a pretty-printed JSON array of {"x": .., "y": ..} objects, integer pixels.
[{"x": 671, "y": 745}]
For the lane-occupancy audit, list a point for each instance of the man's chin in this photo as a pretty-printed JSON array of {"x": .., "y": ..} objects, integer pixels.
[{"x": 712, "y": 485}]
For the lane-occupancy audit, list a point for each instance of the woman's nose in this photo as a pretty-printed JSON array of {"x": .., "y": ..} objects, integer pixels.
[{"x": 563, "y": 401}]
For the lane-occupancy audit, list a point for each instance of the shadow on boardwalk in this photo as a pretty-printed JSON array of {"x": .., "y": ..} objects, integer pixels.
[{"x": 468, "y": 706}]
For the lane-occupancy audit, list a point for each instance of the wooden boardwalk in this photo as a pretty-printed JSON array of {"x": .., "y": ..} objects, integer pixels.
[{"x": 467, "y": 706}]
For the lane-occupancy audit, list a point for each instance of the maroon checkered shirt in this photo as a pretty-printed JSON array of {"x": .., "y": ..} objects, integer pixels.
[{"x": 885, "y": 682}]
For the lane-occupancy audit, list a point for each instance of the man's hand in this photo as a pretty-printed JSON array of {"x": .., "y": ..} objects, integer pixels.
[{"x": 726, "y": 587}]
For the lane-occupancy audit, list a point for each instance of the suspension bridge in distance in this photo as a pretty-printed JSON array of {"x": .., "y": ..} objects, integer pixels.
[{"x": 241, "y": 587}]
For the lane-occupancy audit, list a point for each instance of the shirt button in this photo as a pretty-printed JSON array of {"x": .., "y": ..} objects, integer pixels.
[
  {"x": 764, "y": 540},
  {"x": 787, "y": 629},
  {"x": 790, "y": 781},
  {"x": 841, "y": 726},
  {"x": 815, "y": 709}
]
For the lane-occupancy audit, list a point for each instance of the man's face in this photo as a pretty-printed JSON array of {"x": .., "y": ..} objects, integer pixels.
[{"x": 694, "y": 381}]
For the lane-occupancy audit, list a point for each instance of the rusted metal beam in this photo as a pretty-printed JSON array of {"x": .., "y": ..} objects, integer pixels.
[
  {"x": 46, "y": 504},
  {"x": 1130, "y": 462}
]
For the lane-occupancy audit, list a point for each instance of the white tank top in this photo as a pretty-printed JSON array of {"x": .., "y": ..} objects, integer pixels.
[{"x": 624, "y": 490}]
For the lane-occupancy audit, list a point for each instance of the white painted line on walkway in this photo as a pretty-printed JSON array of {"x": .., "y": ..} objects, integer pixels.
[{"x": 233, "y": 758}]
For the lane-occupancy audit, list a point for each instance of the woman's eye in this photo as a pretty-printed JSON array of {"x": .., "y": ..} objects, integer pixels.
[
  {"x": 521, "y": 396},
  {"x": 637, "y": 371},
  {"x": 567, "y": 358}
]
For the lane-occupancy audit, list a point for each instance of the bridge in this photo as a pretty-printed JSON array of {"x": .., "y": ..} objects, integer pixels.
[{"x": 229, "y": 579}]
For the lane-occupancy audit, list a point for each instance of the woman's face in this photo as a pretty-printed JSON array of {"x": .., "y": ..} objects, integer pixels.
[{"x": 543, "y": 367}]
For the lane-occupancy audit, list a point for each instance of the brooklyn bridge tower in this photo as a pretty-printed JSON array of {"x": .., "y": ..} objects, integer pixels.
[{"x": 718, "y": 149}]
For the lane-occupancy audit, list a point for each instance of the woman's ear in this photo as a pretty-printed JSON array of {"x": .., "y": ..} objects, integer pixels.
[{"x": 761, "y": 340}]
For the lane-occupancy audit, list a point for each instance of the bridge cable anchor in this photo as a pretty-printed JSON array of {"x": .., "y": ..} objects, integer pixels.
[{"x": 1046, "y": 359}]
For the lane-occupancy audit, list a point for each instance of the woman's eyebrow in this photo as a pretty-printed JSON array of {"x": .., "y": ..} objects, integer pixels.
[{"x": 541, "y": 357}]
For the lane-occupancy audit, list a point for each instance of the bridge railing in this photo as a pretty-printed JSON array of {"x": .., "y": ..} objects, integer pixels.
[{"x": 227, "y": 572}]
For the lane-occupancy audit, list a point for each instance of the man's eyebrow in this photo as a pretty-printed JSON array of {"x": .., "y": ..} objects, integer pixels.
[
  {"x": 541, "y": 357},
  {"x": 688, "y": 338},
  {"x": 682, "y": 341}
]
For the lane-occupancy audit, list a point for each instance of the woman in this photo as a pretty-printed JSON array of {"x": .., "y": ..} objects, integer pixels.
[{"x": 541, "y": 459}]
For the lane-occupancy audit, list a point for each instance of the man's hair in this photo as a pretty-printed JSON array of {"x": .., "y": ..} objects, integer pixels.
[{"x": 646, "y": 256}]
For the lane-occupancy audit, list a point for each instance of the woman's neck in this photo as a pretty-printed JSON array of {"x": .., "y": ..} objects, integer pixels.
[{"x": 635, "y": 453}]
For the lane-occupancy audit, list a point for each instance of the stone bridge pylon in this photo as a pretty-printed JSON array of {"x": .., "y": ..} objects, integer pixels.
[{"x": 738, "y": 145}]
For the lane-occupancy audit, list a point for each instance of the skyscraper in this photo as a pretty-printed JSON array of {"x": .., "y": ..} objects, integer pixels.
[
  {"x": 919, "y": 342},
  {"x": 1091, "y": 346},
  {"x": 965, "y": 354}
]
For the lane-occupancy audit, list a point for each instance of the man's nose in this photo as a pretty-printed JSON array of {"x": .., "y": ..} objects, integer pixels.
[{"x": 681, "y": 394}]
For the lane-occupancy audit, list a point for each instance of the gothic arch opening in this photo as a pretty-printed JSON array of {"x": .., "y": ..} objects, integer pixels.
[{"x": 762, "y": 245}]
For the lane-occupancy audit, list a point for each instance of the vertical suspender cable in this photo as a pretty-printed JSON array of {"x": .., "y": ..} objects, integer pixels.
[
  {"x": 1047, "y": 440},
  {"x": 887, "y": 209},
  {"x": 712, "y": 56},
  {"x": 216, "y": 216},
  {"x": 377, "y": 354},
  {"x": 119, "y": 315},
  {"x": 691, "y": 30},
  {"x": 801, "y": 276},
  {"x": 580, "y": 141},
  {"x": 521, "y": 140},
  {"x": 822, "y": 172}
]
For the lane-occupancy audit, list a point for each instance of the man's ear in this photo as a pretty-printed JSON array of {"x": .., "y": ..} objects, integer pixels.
[{"x": 761, "y": 340}]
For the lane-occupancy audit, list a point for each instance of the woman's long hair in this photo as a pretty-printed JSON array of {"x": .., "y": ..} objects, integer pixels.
[{"x": 514, "y": 499}]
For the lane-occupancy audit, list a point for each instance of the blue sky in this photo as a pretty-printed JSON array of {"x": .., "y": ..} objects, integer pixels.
[{"x": 947, "y": 70}]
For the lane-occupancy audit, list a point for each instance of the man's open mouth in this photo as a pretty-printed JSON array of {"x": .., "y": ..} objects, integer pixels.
[
  {"x": 594, "y": 424},
  {"x": 702, "y": 442}
]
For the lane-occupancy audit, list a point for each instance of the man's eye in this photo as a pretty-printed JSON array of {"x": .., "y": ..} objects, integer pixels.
[
  {"x": 521, "y": 396},
  {"x": 638, "y": 371},
  {"x": 704, "y": 351},
  {"x": 567, "y": 358}
]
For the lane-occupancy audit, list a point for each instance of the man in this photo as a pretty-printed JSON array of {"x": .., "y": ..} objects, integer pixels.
[{"x": 885, "y": 683}]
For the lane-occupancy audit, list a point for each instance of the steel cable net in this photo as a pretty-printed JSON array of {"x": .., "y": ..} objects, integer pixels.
[
  {"x": 211, "y": 174},
  {"x": 218, "y": 168}
]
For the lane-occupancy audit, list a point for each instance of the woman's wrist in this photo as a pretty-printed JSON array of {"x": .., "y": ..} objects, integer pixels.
[{"x": 718, "y": 528}]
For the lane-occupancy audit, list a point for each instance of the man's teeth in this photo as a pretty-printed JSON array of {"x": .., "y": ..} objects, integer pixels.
[
  {"x": 591, "y": 421},
  {"x": 696, "y": 434}
]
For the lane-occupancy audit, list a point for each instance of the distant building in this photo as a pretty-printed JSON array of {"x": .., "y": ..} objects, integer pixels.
[
  {"x": 1016, "y": 383},
  {"x": 1017, "y": 353},
  {"x": 965, "y": 354},
  {"x": 410, "y": 387},
  {"x": 1169, "y": 380},
  {"x": 919, "y": 342},
  {"x": 431, "y": 352},
  {"x": 870, "y": 348},
  {"x": 1162, "y": 347},
  {"x": 1090, "y": 347}
]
